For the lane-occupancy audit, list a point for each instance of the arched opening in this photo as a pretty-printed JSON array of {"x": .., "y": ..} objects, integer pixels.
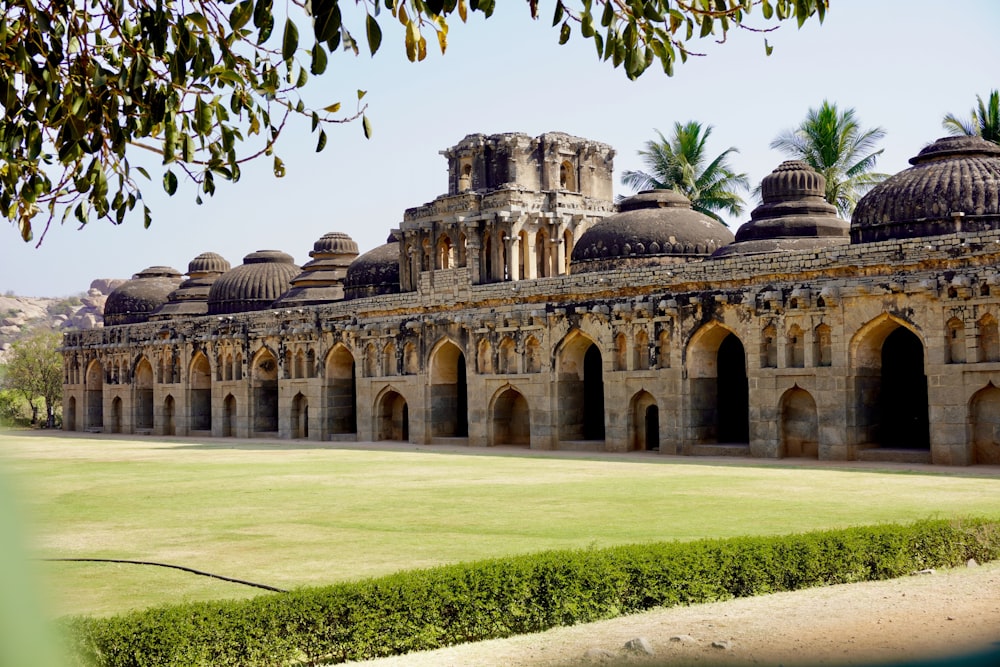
[
  {"x": 341, "y": 391},
  {"x": 733, "y": 405},
  {"x": 449, "y": 405},
  {"x": 508, "y": 356},
  {"x": 621, "y": 353},
  {"x": 580, "y": 388},
  {"x": 116, "y": 415},
  {"x": 484, "y": 357},
  {"x": 718, "y": 387},
  {"x": 143, "y": 395},
  {"x": 567, "y": 176},
  {"x": 543, "y": 254},
  {"x": 522, "y": 255},
  {"x": 769, "y": 347},
  {"x": 567, "y": 250},
  {"x": 371, "y": 361},
  {"x": 94, "y": 396},
  {"x": 300, "y": 364},
  {"x": 644, "y": 422},
  {"x": 300, "y": 417},
  {"x": 904, "y": 392},
  {"x": 169, "y": 425},
  {"x": 511, "y": 419},
  {"x": 265, "y": 393},
  {"x": 988, "y": 338},
  {"x": 392, "y": 417},
  {"x": 389, "y": 359},
  {"x": 486, "y": 259},
  {"x": 411, "y": 359},
  {"x": 799, "y": 425},
  {"x": 238, "y": 367},
  {"x": 984, "y": 410},
  {"x": 663, "y": 349},
  {"x": 640, "y": 356},
  {"x": 200, "y": 393},
  {"x": 229, "y": 416},
  {"x": 445, "y": 253},
  {"x": 823, "y": 342},
  {"x": 955, "y": 346},
  {"x": 69, "y": 420},
  {"x": 795, "y": 356},
  {"x": 532, "y": 355}
]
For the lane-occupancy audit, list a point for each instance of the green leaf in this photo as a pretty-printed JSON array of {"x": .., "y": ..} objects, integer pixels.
[
  {"x": 321, "y": 144},
  {"x": 564, "y": 33},
  {"x": 366, "y": 126},
  {"x": 767, "y": 47},
  {"x": 361, "y": 94},
  {"x": 169, "y": 183},
  {"x": 374, "y": 34},
  {"x": 240, "y": 15},
  {"x": 279, "y": 167},
  {"x": 318, "y": 59},
  {"x": 290, "y": 42},
  {"x": 326, "y": 21}
]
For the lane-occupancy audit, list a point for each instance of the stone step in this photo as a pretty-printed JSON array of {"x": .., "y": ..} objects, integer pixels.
[
  {"x": 890, "y": 455},
  {"x": 722, "y": 449}
]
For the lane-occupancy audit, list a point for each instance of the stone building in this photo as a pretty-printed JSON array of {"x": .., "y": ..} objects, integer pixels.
[{"x": 525, "y": 308}]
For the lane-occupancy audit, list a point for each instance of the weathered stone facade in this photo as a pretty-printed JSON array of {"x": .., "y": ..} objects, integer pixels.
[{"x": 867, "y": 350}]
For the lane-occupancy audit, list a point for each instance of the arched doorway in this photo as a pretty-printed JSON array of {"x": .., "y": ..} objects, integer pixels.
[
  {"x": 143, "y": 395},
  {"x": 300, "y": 417},
  {"x": 449, "y": 404},
  {"x": 903, "y": 396},
  {"x": 341, "y": 391},
  {"x": 511, "y": 419},
  {"x": 644, "y": 422},
  {"x": 392, "y": 417},
  {"x": 116, "y": 415},
  {"x": 169, "y": 427},
  {"x": 799, "y": 426},
  {"x": 229, "y": 416},
  {"x": 200, "y": 393},
  {"x": 719, "y": 393},
  {"x": 94, "y": 396},
  {"x": 580, "y": 389},
  {"x": 984, "y": 410},
  {"x": 265, "y": 392},
  {"x": 733, "y": 404},
  {"x": 69, "y": 421}
]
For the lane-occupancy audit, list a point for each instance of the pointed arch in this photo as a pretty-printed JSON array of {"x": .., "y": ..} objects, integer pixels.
[
  {"x": 94, "y": 395},
  {"x": 264, "y": 380},
  {"x": 984, "y": 419},
  {"x": 391, "y": 415},
  {"x": 640, "y": 361},
  {"x": 169, "y": 415},
  {"x": 411, "y": 358},
  {"x": 510, "y": 418},
  {"x": 890, "y": 386},
  {"x": 69, "y": 420},
  {"x": 532, "y": 355},
  {"x": 229, "y": 415},
  {"x": 300, "y": 417},
  {"x": 300, "y": 363},
  {"x": 341, "y": 390},
  {"x": 644, "y": 422},
  {"x": 449, "y": 404},
  {"x": 988, "y": 338},
  {"x": 371, "y": 360},
  {"x": 795, "y": 347},
  {"x": 769, "y": 347},
  {"x": 621, "y": 352},
  {"x": 508, "y": 356},
  {"x": 200, "y": 392},
  {"x": 142, "y": 394},
  {"x": 484, "y": 356},
  {"x": 719, "y": 389},
  {"x": 116, "y": 414},
  {"x": 580, "y": 387},
  {"x": 799, "y": 425},
  {"x": 823, "y": 345},
  {"x": 389, "y": 358},
  {"x": 663, "y": 347},
  {"x": 955, "y": 343}
]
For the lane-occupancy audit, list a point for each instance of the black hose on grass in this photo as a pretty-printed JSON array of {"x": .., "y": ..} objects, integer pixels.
[{"x": 175, "y": 567}]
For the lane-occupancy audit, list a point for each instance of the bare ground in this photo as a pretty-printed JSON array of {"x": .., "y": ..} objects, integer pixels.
[{"x": 937, "y": 616}]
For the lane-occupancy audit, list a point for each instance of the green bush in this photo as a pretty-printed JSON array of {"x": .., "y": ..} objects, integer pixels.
[{"x": 426, "y": 609}]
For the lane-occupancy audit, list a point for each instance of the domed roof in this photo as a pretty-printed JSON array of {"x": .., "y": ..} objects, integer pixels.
[
  {"x": 190, "y": 299},
  {"x": 652, "y": 227},
  {"x": 208, "y": 262},
  {"x": 254, "y": 285},
  {"x": 794, "y": 215},
  {"x": 134, "y": 300},
  {"x": 375, "y": 272},
  {"x": 953, "y": 175},
  {"x": 322, "y": 278}
]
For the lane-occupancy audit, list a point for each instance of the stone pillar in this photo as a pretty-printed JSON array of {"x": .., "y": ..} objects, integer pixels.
[{"x": 473, "y": 242}]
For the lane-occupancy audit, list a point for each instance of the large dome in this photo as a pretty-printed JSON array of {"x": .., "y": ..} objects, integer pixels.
[
  {"x": 254, "y": 285},
  {"x": 133, "y": 301},
  {"x": 794, "y": 215},
  {"x": 322, "y": 278},
  {"x": 953, "y": 185},
  {"x": 652, "y": 227},
  {"x": 373, "y": 273}
]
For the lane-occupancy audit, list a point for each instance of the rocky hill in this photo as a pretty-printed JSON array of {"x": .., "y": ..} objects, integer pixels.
[{"x": 20, "y": 315}]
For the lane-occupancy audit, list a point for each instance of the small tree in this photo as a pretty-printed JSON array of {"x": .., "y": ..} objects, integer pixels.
[{"x": 34, "y": 369}]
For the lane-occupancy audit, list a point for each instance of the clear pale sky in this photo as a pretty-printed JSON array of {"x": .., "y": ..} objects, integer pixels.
[{"x": 901, "y": 65}]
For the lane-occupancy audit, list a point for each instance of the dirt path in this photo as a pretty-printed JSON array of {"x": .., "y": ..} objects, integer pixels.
[{"x": 921, "y": 617}]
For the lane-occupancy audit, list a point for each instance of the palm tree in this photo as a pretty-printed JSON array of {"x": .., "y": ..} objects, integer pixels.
[
  {"x": 681, "y": 163},
  {"x": 834, "y": 144},
  {"x": 984, "y": 122}
]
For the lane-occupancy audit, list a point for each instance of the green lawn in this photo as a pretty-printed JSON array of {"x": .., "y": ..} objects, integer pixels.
[{"x": 294, "y": 514}]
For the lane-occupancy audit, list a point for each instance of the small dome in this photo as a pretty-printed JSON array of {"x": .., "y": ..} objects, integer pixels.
[
  {"x": 254, "y": 285},
  {"x": 953, "y": 175},
  {"x": 190, "y": 299},
  {"x": 652, "y": 227},
  {"x": 322, "y": 278},
  {"x": 794, "y": 215},
  {"x": 133, "y": 301},
  {"x": 373, "y": 273},
  {"x": 208, "y": 262}
]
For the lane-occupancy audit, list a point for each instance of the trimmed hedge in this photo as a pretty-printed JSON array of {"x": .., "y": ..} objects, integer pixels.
[{"x": 427, "y": 609}]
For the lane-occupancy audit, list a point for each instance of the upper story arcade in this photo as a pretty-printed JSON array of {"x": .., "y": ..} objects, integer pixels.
[{"x": 514, "y": 209}]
